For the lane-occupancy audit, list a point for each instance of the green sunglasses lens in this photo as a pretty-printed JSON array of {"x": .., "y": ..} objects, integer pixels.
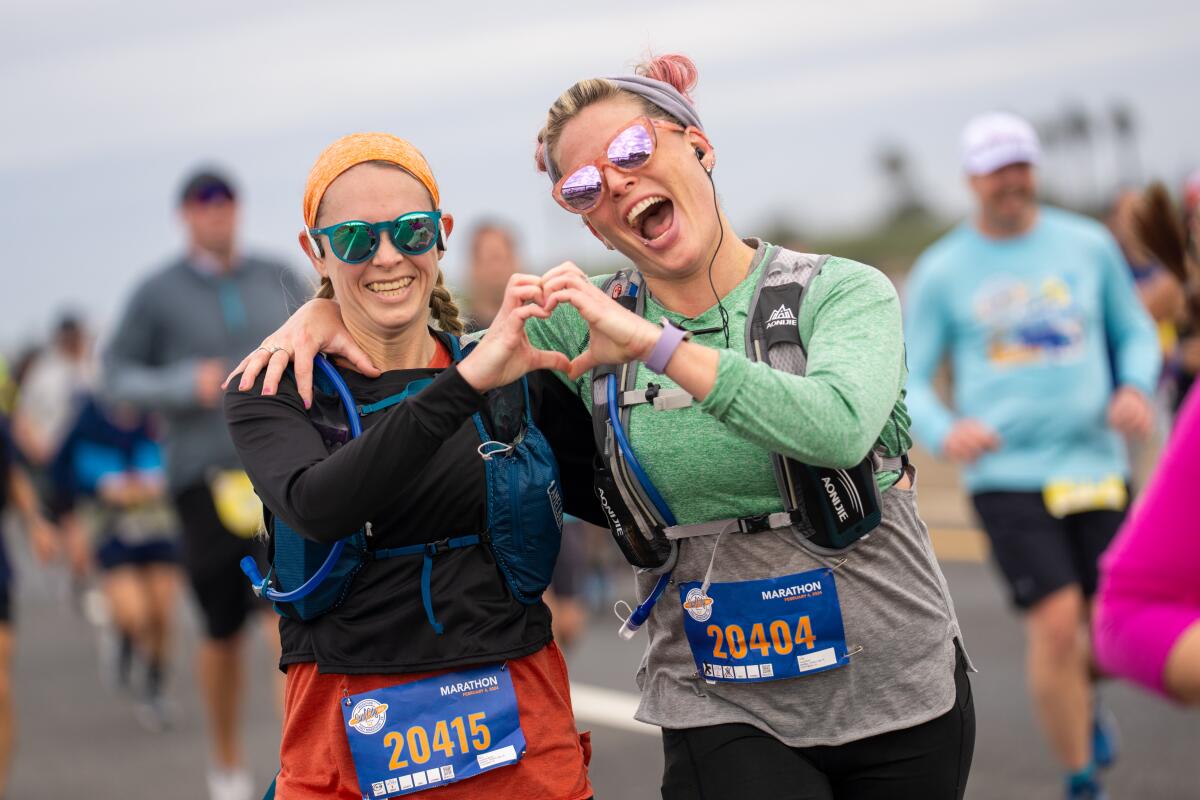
[
  {"x": 353, "y": 241},
  {"x": 414, "y": 234}
]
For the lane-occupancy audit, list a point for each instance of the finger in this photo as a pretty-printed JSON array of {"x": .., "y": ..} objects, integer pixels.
[
  {"x": 239, "y": 368},
  {"x": 536, "y": 310},
  {"x": 519, "y": 315},
  {"x": 518, "y": 295},
  {"x": 275, "y": 367},
  {"x": 550, "y": 359},
  {"x": 1143, "y": 421},
  {"x": 569, "y": 296},
  {"x": 1119, "y": 415},
  {"x": 565, "y": 268},
  {"x": 965, "y": 451},
  {"x": 524, "y": 279},
  {"x": 582, "y": 363},
  {"x": 520, "y": 289},
  {"x": 252, "y": 365},
  {"x": 575, "y": 280},
  {"x": 305, "y": 354},
  {"x": 342, "y": 345}
]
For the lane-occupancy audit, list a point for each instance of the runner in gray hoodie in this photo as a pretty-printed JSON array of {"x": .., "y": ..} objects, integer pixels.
[{"x": 183, "y": 328}]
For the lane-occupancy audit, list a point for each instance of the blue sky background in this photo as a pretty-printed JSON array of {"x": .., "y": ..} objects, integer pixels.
[{"x": 109, "y": 104}]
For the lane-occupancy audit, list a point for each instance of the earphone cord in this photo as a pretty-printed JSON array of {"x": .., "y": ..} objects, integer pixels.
[{"x": 711, "y": 261}]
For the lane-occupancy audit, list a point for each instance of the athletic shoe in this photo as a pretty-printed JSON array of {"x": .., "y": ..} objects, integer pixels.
[
  {"x": 1085, "y": 788},
  {"x": 115, "y": 653},
  {"x": 1106, "y": 741},
  {"x": 153, "y": 713},
  {"x": 230, "y": 784}
]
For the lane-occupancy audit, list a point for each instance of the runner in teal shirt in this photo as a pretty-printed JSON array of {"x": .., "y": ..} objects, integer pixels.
[
  {"x": 1035, "y": 327},
  {"x": 1053, "y": 360}
]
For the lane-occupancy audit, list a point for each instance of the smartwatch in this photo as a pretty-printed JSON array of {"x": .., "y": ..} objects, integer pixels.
[{"x": 668, "y": 341}]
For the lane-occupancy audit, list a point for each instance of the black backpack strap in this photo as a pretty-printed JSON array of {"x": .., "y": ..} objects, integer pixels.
[
  {"x": 633, "y": 520},
  {"x": 830, "y": 509}
]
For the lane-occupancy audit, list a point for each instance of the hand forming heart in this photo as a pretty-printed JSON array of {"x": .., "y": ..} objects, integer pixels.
[{"x": 616, "y": 335}]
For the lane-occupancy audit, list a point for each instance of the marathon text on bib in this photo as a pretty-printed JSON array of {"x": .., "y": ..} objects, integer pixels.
[
  {"x": 765, "y": 630},
  {"x": 405, "y": 739}
]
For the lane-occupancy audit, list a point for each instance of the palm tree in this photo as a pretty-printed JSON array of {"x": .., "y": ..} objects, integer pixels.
[
  {"x": 1078, "y": 130},
  {"x": 1124, "y": 128}
]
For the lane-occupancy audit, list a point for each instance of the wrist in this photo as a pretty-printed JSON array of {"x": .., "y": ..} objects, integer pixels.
[
  {"x": 468, "y": 370},
  {"x": 670, "y": 336}
]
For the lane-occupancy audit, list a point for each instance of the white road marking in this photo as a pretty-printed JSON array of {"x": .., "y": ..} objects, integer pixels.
[{"x": 608, "y": 707}]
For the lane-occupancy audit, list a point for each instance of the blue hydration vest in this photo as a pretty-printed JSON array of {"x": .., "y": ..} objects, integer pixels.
[{"x": 524, "y": 508}]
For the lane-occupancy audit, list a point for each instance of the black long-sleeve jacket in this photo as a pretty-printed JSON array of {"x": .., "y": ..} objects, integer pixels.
[{"x": 416, "y": 475}]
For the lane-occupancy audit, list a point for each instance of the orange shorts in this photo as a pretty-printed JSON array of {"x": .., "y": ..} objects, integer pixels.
[{"x": 315, "y": 754}]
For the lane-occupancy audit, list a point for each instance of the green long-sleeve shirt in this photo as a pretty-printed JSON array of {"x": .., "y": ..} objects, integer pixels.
[{"x": 712, "y": 460}]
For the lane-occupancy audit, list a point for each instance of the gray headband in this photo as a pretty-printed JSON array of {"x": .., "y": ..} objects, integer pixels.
[{"x": 660, "y": 93}]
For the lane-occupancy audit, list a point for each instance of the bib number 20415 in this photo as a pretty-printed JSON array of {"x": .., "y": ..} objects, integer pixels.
[{"x": 471, "y": 734}]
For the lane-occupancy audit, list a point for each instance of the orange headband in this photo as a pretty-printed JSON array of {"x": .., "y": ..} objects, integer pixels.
[{"x": 358, "y": 148}]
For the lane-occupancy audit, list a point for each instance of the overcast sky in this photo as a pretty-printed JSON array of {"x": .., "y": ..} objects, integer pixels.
[{"x": 109, "y": 104}]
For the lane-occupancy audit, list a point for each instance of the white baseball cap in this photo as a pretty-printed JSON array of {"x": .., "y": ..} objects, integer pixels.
[{"x": 996, "y": 139}]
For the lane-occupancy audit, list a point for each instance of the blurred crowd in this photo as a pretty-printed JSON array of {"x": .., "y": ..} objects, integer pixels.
[{"x": 91, "y": 481}]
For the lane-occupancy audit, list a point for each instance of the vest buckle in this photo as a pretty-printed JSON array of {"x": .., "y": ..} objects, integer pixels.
[{"x": 754, "y": 524}]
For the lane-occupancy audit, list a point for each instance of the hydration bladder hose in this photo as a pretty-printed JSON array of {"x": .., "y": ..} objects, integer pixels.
[
  {"x": 638, "y": 617},
  {"x": 250, "y": 568}
]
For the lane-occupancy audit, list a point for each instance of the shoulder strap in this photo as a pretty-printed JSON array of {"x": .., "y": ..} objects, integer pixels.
[
  {"x": 633, "y": 517},
  {"x": 773, "y": 321},
  {"x": 626, "y": 288}
]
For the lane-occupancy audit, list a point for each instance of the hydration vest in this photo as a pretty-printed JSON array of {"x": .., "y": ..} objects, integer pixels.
[
  {"x": 829, "y": 509},
  {"x": 524, "y": 506}
]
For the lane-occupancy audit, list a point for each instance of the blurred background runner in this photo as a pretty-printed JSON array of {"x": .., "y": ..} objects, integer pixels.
[
  {"x": 184, "y": 327},
  {"x": 1054, "y": 361},
  {"x": 112, "y": 493}
]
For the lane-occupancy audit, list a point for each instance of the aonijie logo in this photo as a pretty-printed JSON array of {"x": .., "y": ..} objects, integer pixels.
[
  {"x": 851, "y": 492},
  {"x": 698, "y": 605},
  {"x": 556, "y": 502},
  {"x": 838, "y": 508},
  {"x": 613, "y": 521},
  {"x": 781, "y": 316},
  {"x": 369, "y": 716}
]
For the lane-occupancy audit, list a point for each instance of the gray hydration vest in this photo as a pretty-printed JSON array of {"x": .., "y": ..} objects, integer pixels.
[{"x": 829, "y": 509}]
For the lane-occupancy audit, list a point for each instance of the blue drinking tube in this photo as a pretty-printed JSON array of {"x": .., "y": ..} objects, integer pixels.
[
  {"x": 248, "y": 565},
  {"x": 640, "y": 614}
]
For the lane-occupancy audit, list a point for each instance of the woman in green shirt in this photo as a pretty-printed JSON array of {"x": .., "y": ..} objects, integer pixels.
[{"x": 778, "y": 667}]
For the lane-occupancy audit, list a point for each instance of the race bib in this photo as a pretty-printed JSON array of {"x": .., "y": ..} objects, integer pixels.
[
  {"x": 1066, "y": 497},
  {"x": 405, "y": 739},
  {"x": 238, "y": 507},
  {"x": 765, "y": 630}
]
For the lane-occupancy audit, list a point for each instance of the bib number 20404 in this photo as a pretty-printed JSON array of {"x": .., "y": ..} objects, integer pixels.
[
  {"x": 447, "y": 735},
  {"x": 779, "y": 636},
  {"x": 769, "y": 629}
]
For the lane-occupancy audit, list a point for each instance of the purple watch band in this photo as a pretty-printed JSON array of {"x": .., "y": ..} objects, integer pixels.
[{"x": 664, "y": 348}]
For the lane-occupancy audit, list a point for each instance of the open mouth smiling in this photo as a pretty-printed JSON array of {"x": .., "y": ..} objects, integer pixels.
[{"x": 651, "y": 217}]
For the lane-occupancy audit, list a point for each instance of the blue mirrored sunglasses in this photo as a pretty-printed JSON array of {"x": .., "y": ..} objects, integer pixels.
[{"x": 356, "y": 241}]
